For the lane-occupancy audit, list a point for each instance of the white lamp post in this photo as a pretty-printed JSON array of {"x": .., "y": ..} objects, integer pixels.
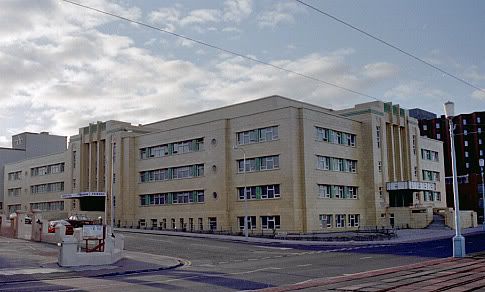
[
  {"x": 246, "y": 231},
  {"x": 458, "y": 239},
  {"x": 482, "y": 163}
]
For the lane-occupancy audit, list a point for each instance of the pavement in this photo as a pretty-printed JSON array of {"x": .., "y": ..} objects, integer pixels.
[
  {"x": 450, "y": 274},
  {"x": 403, "y": 236},
  {"x": 22, "y": 260}
]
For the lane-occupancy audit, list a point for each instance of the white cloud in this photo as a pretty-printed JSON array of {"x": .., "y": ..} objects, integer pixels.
[
  {"x": 380, "y": 70},
  {"x": 237, "y": 10},
  {"x": 479, "y": 95},
  {"x": 281, "y": 12}
]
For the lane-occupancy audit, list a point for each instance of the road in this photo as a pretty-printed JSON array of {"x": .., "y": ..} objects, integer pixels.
[{"x": 215, "y": 265}]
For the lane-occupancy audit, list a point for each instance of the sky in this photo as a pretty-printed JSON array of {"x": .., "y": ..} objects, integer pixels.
[{"x": 63, "y": 66}]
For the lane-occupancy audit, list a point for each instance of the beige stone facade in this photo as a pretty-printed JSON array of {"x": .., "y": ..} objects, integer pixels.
[{"x": 308, "y": 169}]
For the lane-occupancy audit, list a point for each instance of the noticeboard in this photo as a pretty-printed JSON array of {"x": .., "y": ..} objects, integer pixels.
[{"x": 93, "y": 232}]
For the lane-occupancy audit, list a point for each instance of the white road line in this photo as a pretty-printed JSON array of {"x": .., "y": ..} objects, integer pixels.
[
  {"x": 304, "y": 265},
  {"x": 365, "y": 258},
  {"x": 254, "y": 271},
  {"x": 273, "y": 247},
  {"x": 210, "y": 246}
]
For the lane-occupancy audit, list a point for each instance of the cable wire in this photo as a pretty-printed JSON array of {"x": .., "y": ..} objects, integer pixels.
[
  {"x": 234, "y": 53},
  {"x": 390, "y": 45}
]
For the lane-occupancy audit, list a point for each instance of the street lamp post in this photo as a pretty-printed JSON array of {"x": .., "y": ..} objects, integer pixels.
[
  {"x": 458, "y": 239},
  {"x": 482, "y": 163},
  {"x": 246, "y": 231}
]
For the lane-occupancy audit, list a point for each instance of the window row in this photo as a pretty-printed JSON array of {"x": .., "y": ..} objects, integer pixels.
[
  {"x": 17, "y": 175},
  {"x": 48, "y": 206},
  {"x": 48, "y": 169},
  {"x": 13, "y": 208},
  {"x": 193, "y": 145},
  {"x": 429, "y": 155},
  {"x": 339, "y": 220},
  {"x": 14, "y": 192},
  {"x": 182, "y": 224},
  {"x": 266, "y": 222},
  {"x": 336, "y": 164},
  {"x": 431, "y": 175},
  {"x": 430, "y": 196},
  {"x": 172, "y": 198},
  {"x": 335, "y": 137},
  {"x": 337, "y": 192},
  {"x": 47, "y": 188},
  {"x": 259, "y": 192},
  {"x": 259, "y": 163},
  {"x": 257, "y": 135},
  {"x": 172, "y": 173}
]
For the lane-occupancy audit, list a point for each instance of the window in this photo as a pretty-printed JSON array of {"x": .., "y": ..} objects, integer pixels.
[
  {"x": 340, "y": 220},
  {"x": 326, "y": 220},
  {"x": 379, "y": 166},
  {"x": 188, "y": 197},
  {"x": 431, "y": 175},
  {"x": 335, "y": 137},
  {"x": 414, "y": 144},
  {"x": 258, "y": 164},
  {"x": 480, "y": 141},
  {"x": 464, "y": 122},
  {"x": 270, "y": 222},
  {"x": 466, "y": 154},
  {"x": 47, "y": 188},
  {"x": 466, "y": 143},
  {"x": 114, "y": 153},
  {"x": 257, "y": 135},
  {"x": 179, "y": 147},
  {"x": 425, "y": 127},
  {"x": 73, "y": 183},
  {"x": 14, "y": 192},
  {"x": 73, "y": 159},
  {"x": 465, "y": 132},
  {"x": 48, "y": 169},
  {"x": 378, "y": 136},
  {"x": 251, "y": 222},
  {"x": 48, "y": 206},
  {"x": 481, "y": 152},
  {"x": 259, "y": 192},
  {"x": 381, "y": 194},
  {"x": 438, "y": 136},
  {"x": 213, "y": 223},
  {"x": 201, "y": 224},
  {"x": 17, "y": 175},
  {"x": 324, "y": 191},
  {"x": 336, "y": 164},
  {"x": 437, "y": 125},
  {"x": 478, "y": 120},
  {"x": 479, "y": 130},
  {"x": 173, "y": 223},
  {"x": 467, "y": 165},
  {"x": 429, "y": 155},
  {"x": 188, "y": 171},
  {"x": 354, "y": 220}
]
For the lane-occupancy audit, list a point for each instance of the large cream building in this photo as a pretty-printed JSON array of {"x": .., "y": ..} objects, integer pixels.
[{"x": 306, "y": 169}]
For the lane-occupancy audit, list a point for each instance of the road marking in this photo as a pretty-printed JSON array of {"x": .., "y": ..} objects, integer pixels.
[
  {"x": 221, "y": 263},
  {"x": 253, "y": 259},
  {"x": 304, "y": 265},
  {"x": 274, "y": 247},
  {"x": 253, "y": 271},
  {"x": 365, "y": 258},
  {"x": 30, "y": 271},
  {"x": 210, "y": 246}
]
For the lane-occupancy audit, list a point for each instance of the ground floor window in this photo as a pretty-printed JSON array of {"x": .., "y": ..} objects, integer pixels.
[
  {"x": 354, "y": 220},
  {"x": 201, "y": 224},
  {"x": 141, "y": 223},
  {"x": 191, "y": 224},
  {"x": 270, "y": 222},
  {"x": 251, "y": 222},
  {"x": 154, "y": 223},
  {"x": 163, "y": 223},
  {"x": 326, "y": 220},
  {"x": 340, "y": 220},
  {"x": 213, "y": 223},
  {"x": 173, "y": 223}
]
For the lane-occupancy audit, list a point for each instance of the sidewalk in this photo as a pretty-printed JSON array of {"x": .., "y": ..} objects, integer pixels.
[
  {"x": 22, "y": 260},
  {"x": 452, "y": 275},
  {"x": 403, "y": 236}
]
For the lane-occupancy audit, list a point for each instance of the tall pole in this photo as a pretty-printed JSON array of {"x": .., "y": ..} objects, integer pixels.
[
  {"x": 112, "y": 206},
  {"x": 458, "y": 240},
  {"x": 246, "y": 231},
  {"x": 482, "y": 162}
]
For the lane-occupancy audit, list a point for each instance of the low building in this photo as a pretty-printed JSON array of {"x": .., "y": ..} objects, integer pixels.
[{"x": 287, "y": 165}]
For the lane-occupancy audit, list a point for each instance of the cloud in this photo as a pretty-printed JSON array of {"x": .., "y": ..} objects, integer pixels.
[
  {"x": 380, "y": 70},
  {"x": 237, "y": 10},
  {"x": 280, "y": 13},
  {"x": 479, "y": 95}
]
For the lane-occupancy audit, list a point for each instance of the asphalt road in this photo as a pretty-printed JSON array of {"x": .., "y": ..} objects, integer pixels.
[{"x": 230, "y": 266}]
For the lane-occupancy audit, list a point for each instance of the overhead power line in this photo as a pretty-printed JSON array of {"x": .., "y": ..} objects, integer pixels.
[
  {"x": 234, "y": 53},
  {"x": 390, "y": 45}
]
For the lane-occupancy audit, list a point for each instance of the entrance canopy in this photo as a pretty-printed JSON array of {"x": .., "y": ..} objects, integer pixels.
[{"x": 83, "y": 195}]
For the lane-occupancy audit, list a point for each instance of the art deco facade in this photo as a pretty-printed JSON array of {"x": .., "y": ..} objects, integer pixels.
[{"x": 306, "y": 168}]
